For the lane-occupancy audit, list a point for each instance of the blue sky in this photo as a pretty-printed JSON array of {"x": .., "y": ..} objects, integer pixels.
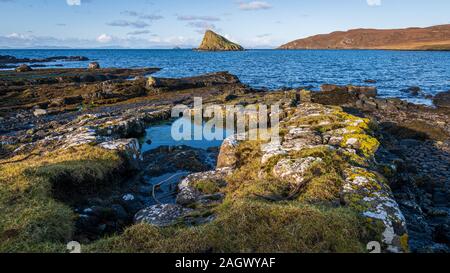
[{"x": 169, "y": 23}]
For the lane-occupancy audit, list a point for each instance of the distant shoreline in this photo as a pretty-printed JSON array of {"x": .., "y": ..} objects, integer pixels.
[{"x": 248, "y": 49}]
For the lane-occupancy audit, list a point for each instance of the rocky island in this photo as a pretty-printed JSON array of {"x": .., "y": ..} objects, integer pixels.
[
  {"x": 214, "y": 42},
  {"x": 350, "y": 169},
  {"x": 431, "y": 38}
]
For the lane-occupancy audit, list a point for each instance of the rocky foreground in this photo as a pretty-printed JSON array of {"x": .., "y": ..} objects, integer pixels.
[{"x": 351, "y": 169}]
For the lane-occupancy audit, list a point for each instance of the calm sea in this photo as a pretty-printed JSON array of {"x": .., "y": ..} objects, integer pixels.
[{"x": 393, "y": 70}]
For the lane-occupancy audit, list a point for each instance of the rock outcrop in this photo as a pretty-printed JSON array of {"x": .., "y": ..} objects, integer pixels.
[
  {"x": 368, "y": 170},
  {"x": 442, "y": 99},
  {"x": 94, "y": 65},
  {"x": 432, "y": 38},
  {"x": 23, "y": 68},
  {"x": 214, "y": 42}
]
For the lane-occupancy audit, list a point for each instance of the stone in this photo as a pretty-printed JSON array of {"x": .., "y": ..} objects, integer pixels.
[
  {"x": 442, "y": 100},
  {"x": 294, "y": 170},
  {"x": 39, "y": 112},
  {"x": 227, "y": 156},
  {"x": 24, "y": 68},
  {"x": 152, "y": 82},
  {"x": 375, "y": 198},
  {"x": 332, "y": 88},
  {"x": 370, "y": 81},
  {"x": 413, "y": 90},
  {"x": 187, "y": 195},
  {"x": 161, "y": 215},
  {"x": 119, "y": 212},
  {"x": 94, "y": 66},
  {"x": 130, "y": 150},
  {"x": 338, "y": 94},
  {"x": 368, "y": 91}
]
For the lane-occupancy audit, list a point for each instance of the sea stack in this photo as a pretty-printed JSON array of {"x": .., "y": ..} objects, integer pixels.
[{"x": 214, "y": 42}]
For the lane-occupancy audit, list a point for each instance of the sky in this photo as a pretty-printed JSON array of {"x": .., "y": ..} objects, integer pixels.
[{"x": 171, "y": 23}]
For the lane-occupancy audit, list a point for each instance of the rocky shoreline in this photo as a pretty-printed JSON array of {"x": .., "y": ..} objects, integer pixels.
[{"x": 356, "y": 167}]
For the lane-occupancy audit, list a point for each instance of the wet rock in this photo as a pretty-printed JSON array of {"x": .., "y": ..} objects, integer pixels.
[
  {"x": 333, "y": 88},
  {"x": 24, "y": 68},
  {"x": 94, "y": 65},
  {"x": 178, "y": 158},
  {"x": 7, "y": 59},
  {"x": 120, "y": 212},
  {"x": 370, "y": 81},
  {"x": 413, "y": 91},
  {"x": 131, "y": 203},
  {"x": 207, "y": 80},
  {"x": 337, "y": 95},
  {"x": 161, "y": 215},
  {"x": 442, "y": 100}
]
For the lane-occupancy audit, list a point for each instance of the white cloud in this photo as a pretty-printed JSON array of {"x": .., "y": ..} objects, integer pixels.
[
  {"x": 254, "y": 5},
  {"x": 374, "y": 2},
  {"x": 18, "y": 36},
  {"x": 73, "y": 2},
  {"x": 104, "y": 38}
]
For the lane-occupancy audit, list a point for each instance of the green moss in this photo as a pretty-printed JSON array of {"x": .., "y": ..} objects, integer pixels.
[
  {"x": 32, "y": 219},
  {"x": 250, "y": 227},
  {"x": 208, "y": 186},
  {"x": 366, "y": 144},
  {"x": 404, "y": 242}
]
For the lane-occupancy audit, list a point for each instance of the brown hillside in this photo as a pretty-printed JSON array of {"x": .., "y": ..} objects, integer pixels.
[{"x": 431, "y": 38}]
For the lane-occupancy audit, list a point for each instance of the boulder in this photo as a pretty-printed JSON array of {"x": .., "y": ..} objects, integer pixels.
[
  {"x": 188, "y": 195},
  {"x": 129, "y": 148},
  {"x": 413, "y": 91},
  {"x": 66, "y": 101},
  {"x": 442, "y": 99},
  {"x": 370, "y": 81},
  {"x": 162, "y": 215},
  {"x": 24, "y": 68},
  {"x": 332, "y": 88},
  {"x": 94, "y": 65},
  {"x": 339, "y": 94},
  {"x": 368, "y": 91},
  {"x": 177, "y": 158},
  {"x": 206, "y": 80},
  {"x": 227, "y": 156},
  {"x": 39, "y": 112},
  {"x": 294, "y": 170},
  {"x": 152, "y": 82}
]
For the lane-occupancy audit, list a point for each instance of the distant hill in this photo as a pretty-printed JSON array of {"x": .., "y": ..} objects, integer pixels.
[
  {"x": 214, "y": 42},
  {"x": 431, "y": 38}
]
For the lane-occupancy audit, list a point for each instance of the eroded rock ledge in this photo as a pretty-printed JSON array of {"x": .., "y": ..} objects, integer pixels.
[
  {"x": 328, "y": 186},
  {"x": 325, "y": 157}
]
